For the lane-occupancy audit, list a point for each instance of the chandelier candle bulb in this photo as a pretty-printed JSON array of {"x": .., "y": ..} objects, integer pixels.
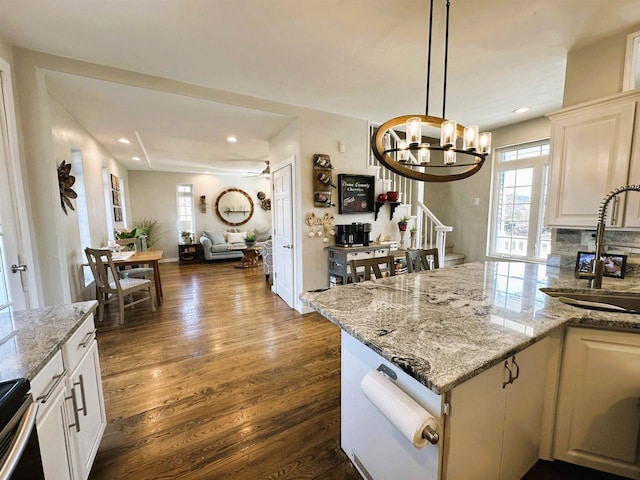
[
  {"x": 449, "y": 157},
  {"x": 414, "y": 130},
  {"x": 485, "y": 142},
  {"x": 448, "y": 133},
  {"x": 470, "y": 140},
  {"x": 386, "y": 142},
  {"x": 424, "y": 154},
  {"x": 404, "y": 154}
]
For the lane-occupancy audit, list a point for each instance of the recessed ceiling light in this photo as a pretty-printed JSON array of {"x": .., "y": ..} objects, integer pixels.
[
  {"x": 232, "y": 139},
  {"x": 522, "y": 110},
  {"x": 137, "y": 159},
  {"x": 124, "y": 140}
]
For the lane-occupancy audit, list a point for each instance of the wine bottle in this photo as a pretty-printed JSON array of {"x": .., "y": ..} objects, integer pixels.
[{"x": 324, "y": 178}]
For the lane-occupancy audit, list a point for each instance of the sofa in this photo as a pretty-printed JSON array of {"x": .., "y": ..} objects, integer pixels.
[{"x": 220, "y": 244}]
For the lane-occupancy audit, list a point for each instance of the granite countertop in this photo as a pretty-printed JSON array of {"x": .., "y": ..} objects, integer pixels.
[
  {"x": 445, "y": 326},
  {"x": 30, "y": 338}
]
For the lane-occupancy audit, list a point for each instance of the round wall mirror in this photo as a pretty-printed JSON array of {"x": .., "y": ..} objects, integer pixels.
[{"x": 234, "y": 206}]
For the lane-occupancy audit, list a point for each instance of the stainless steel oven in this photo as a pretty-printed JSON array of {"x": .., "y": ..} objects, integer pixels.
[{"x": 19, "y": 449}]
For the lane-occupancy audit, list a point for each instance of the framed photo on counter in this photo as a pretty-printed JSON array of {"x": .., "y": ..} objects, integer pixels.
[{"x": 614, "y": 264}]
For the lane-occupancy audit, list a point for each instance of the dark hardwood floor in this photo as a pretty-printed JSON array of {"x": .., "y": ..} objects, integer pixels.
[{"x": 226, "y": 381}]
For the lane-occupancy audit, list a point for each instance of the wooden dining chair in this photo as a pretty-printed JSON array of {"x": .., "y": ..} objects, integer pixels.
[
  {"x": 372, "y": 266},
  {"x": 422, "y": 259},
  {"x": 111, "y": 288}
]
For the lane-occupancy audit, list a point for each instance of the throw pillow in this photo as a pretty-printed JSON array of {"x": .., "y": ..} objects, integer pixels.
[
  {"x": 236, "y": 237},
  {"x": 215, "y": 236},
  {"x": 263, "y": 234}
]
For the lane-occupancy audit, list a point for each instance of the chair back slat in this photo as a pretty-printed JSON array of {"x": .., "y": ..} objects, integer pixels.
[
  {"x": 372, "y": 265},
  {"x": 418, "y": 260}
]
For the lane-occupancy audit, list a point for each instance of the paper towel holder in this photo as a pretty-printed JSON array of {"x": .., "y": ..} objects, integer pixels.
[
  {"x": 386, "y": 370},
  {"x": 429, "y": 434}
]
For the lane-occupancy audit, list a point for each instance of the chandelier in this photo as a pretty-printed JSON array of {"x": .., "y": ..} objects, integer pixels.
[{"x": 464, "y": 149}]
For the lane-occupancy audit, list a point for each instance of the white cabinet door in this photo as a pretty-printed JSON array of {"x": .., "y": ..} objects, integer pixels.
[
  {"x": 598, "y": 416},
  {"x": 494, "y": 431},
  {"x": 52, "y": 423},
  {"x": 87, "y": 409},
  {"x": 590, "y": 156}
]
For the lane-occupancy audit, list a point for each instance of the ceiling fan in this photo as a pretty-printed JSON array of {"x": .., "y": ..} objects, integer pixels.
[{"x": 264, "y": 173}]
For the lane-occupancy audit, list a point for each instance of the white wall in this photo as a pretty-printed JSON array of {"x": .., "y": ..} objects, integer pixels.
[
  {"x": 67, "y": 135},
  {"x": 153, "y": 195},
  {"x": 596, "y": 70}
]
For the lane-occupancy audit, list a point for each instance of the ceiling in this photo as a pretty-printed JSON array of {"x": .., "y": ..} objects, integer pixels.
[{"x": 358, "y": 58}]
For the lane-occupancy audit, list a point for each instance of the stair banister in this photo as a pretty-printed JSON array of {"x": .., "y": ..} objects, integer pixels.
[{"x": 427, "y": 223}]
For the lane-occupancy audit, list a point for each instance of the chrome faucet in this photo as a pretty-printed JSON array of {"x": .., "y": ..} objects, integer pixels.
[{"x": 597, "y": 271}]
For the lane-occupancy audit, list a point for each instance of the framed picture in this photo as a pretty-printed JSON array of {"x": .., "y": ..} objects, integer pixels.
[
  {"x": 117, "y": 214},
  {"x": 115, "y": 183},
  {"x": 115, "y": 196},
  {"x": 356, "y": 193},
  {"x": 614, "y": 264}
]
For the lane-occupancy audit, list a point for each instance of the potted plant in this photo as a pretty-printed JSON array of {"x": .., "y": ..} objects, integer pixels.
[
  {"x": 250, "y": 240},
  {"x": 186, "y": 236},
  {"x": 413, "y": 231},
  {"x": 402, "y": 223}
]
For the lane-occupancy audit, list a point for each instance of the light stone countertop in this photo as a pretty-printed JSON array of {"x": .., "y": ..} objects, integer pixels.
[
  {"x": 30, "y": 338},
  {"x": 445, "y": 326}
]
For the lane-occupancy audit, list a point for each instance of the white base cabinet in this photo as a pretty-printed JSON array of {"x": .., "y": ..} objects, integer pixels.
[
  {"x": 598, "y": 413},
  {"x": 71, "y": 416},
  {"x": 493, "y": 429},
  {"x": 52, "y": 424}
]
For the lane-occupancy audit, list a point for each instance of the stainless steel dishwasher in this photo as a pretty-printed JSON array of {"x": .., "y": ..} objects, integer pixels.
[{"x": 19, "y": 448}]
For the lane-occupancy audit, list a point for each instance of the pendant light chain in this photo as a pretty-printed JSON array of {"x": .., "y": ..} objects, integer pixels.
[{"x": 446, "y": 61}]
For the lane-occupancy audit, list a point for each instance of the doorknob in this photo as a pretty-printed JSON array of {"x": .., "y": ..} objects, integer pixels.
[{"x": 18, "y": 268}]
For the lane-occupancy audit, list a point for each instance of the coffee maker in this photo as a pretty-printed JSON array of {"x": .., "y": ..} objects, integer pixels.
[{"x": 353, "y": 235}]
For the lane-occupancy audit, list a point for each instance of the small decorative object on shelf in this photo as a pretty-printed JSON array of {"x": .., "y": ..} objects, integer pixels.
[
  {"x": 186, "y": 237},
  {"x": 402, "y": 226},
  {"x": 412, "y": 234},
  {"x": 393, "y": 196}
]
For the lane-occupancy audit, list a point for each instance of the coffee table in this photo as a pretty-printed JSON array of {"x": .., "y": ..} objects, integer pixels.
[{"x": 250, "y": 257}]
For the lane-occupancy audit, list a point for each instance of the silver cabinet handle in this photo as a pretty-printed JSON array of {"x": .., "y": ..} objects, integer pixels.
[
  {"x": 513, "y": 362},
  {"x": 56, "y": 381},
  {"x": 74, "y": 403},
  {"x": 87, "y": 339},
  {"x": 20, "y": 440},
  {"x": 506, "y": 366},
  {"x": 82, "y": 395},
  {"x": 18, "y": 268}
]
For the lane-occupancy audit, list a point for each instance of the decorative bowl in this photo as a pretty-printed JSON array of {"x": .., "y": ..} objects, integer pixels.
[{"x": 392, "y": 196}]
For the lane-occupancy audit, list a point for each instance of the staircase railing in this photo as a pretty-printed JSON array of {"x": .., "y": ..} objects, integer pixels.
[{"x": 432, "y": 233}]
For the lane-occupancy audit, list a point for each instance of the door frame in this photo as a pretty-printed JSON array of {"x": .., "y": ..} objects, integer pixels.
[
  {"x": 296, "y": 230},
  {"x": 18, "y": 190}
]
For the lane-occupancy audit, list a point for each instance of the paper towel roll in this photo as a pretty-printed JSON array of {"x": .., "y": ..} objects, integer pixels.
[{"x": 400, "y": 409}]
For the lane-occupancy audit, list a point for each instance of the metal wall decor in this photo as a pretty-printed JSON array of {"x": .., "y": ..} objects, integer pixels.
[{"x": 65, "y": 182}]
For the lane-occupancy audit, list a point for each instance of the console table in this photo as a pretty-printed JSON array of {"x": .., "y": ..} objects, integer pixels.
[{"x": 339, "y": 258}]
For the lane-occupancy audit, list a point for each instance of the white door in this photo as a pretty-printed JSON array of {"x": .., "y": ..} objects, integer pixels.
[
  {"x": 283, "y": 233},
  {"x": 13, "y": 276}
]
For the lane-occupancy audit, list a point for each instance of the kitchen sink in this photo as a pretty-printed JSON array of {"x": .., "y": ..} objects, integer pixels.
[{"x": 620, "y": 302}]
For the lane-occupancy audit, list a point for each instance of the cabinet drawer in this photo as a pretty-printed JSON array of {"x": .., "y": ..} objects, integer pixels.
[
  {"x": 47, "y": 379},
  {"x": 359, "y": 255},
  {"x": 74, "y": 349}
]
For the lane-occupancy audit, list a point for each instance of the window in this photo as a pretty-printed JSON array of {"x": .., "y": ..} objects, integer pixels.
[
  {"x": 520, "y": 180},
  {"x": 184, "y": 194}
]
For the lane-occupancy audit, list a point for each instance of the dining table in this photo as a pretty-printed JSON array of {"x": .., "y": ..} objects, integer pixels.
[{"x": 150, "y": 257}]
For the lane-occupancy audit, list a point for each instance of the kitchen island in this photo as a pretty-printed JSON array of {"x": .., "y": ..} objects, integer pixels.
[{"x": 450, "y": 331}]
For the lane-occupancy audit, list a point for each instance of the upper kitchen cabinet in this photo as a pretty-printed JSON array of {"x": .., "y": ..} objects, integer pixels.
[{"x": 594, "y": 149}]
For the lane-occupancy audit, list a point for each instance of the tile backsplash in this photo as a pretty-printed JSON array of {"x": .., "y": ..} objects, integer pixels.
[{"x": 566, "y": 243}]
